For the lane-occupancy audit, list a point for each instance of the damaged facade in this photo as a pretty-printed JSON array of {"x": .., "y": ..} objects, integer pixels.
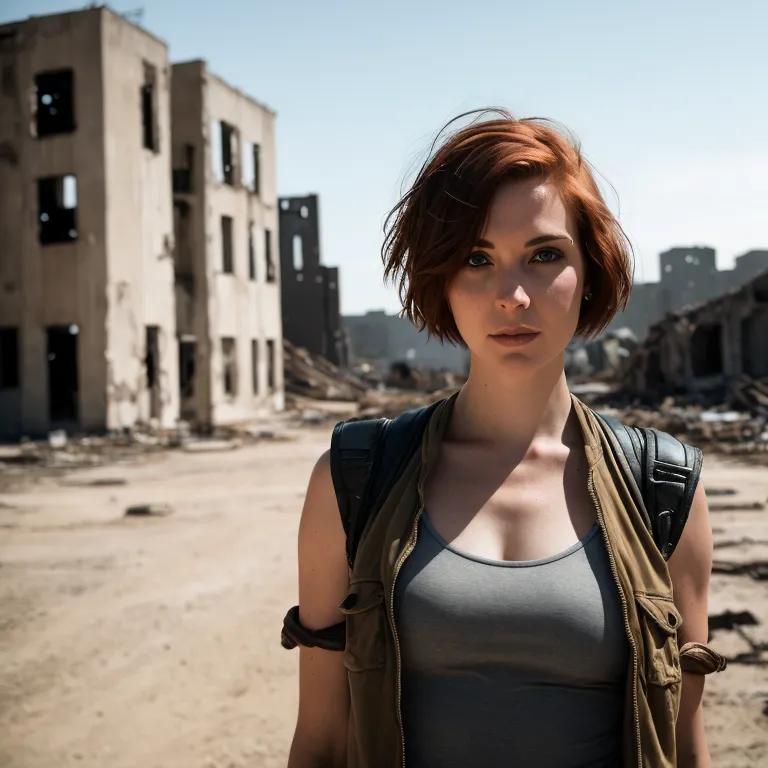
[
  {"x": 87, "y": 325},
  {"x": 688, "y": 276},
  {"x": 226, "y": 266},
  {"x": 89, "y": 270},
  {"x": 707, "y": 347},
  {"x": 310, "y": 291}
]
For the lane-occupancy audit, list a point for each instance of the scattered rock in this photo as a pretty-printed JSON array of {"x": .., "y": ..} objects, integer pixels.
[{"x": 149, "y": 510}]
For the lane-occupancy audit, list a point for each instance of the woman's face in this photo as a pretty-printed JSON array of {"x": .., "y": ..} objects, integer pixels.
[{"x": 516, "y": 300}]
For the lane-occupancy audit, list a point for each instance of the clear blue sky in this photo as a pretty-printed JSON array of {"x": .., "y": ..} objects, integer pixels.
[{"x": 669, "y": 98}]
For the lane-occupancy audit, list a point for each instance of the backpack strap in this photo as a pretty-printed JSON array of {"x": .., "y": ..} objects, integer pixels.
[
  {"x": 367, "y": 457},
  {"x": 662, "y": 473}
]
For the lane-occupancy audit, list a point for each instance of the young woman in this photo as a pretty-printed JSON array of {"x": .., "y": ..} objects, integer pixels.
[{"x": 507, "y": 608}]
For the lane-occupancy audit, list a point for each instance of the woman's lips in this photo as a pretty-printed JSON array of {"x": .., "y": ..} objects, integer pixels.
[{"x": 514, "y": 340}]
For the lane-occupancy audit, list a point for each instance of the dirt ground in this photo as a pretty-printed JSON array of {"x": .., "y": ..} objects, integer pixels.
[{"x": 154, "y": 641}]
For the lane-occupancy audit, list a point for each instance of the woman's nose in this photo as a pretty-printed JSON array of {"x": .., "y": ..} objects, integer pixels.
[{"x": 511, "y": 293}]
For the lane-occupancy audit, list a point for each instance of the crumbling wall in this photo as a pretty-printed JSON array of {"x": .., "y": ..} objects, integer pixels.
[{"x": 706, "y": 347}]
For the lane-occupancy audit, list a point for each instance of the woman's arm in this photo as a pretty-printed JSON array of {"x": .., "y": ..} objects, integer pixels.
[
  {"x": 690, "y": 567},
  {"x": 320, "y": 739}
]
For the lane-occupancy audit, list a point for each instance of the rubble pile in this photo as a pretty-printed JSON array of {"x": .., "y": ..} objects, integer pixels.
[
  {"x": 391, "y": 403},
  {"x": 735, "y": 424},
  {"x": 403, "y": 375},
  {"x": 309, "y": 375}
]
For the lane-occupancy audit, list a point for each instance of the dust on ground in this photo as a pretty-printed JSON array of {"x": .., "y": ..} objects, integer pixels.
[{"x": 154, "y": 640}]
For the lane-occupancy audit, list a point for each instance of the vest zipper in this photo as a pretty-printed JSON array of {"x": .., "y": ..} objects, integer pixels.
[
  {"x": 611, "y": 558},
  {"x": 398, "y": 565}
]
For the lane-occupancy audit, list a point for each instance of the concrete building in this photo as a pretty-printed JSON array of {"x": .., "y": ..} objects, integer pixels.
[
  {"x": 226, "y": 263},
  {"x": 380, "y": 339},
  {"x": 688, "y": 276},
  {"x": 87, "y": 325},
  {"x": 310, "y": 291}
]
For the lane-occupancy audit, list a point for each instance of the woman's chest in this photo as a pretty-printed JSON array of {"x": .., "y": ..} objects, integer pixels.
[{"x": 537, "y": 509}]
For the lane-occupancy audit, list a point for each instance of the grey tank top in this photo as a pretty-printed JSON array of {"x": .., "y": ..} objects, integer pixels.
[{"x": 511, "y": 663}]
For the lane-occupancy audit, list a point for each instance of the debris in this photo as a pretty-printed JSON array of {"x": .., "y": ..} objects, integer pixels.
[
  {"x": 149, "y": 510},
  {"x": 313, "y": 376},
  {"x": 731, "y": 620},
  {"x": 758, "y": 570},
  {"x": 99, "y": 482},
  {"x": 57, "y": 439},
  {"x": 754, "y": 506},
  {"x": 206, "y": 446}
]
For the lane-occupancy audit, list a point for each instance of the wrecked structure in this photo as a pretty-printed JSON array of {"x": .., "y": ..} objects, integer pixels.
[
  {"x": 688, "y": 276},
  {"x": 87, "y": 323},
  {"x": 138, "y": 273},
  {"x": 227, "y": 274},
  {"x": 310, "y": 290},
  {"x": 706, "y": 348}
]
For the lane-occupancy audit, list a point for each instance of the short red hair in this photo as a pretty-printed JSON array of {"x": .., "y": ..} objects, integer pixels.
[{"x": 435, "y": 225}]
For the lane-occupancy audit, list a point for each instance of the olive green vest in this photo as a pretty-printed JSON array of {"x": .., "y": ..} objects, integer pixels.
[{"x": 372, "y": 655}]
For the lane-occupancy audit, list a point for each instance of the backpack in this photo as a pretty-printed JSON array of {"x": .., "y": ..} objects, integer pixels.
[{"x": 367, "y": 458}]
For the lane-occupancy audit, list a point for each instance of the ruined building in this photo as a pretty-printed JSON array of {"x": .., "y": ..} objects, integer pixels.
[
  {"x": 128, "y": 249},
  {"x": 688, "y": 275},
  {"x": 226, "y": 266},
  {"x": 706, "y": 346},
  {"x": 310, "y": 291},
  {"x": 87, "y": 322}
]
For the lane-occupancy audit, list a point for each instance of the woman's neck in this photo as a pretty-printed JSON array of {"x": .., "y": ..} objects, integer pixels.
[{"x": 511, "y": 409}]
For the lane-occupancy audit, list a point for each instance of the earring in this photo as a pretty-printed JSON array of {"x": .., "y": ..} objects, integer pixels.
[{"x": 588, "y": 296}]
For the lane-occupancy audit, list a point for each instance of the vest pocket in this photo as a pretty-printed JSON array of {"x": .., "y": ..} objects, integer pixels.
[
  {"x": 364, "y": 608},
  {"x": 659, "y": 621}
]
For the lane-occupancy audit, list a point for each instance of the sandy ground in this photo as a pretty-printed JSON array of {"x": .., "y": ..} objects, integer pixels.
[{"x": 143, "y": 642}]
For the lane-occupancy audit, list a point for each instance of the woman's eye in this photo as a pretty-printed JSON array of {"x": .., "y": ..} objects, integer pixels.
[
  {"x": 547, "y": 256},
  {"x": 478, "y": 259}
]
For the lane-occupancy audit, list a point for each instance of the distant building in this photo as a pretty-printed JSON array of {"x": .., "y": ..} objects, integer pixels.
[
  {"x": 310, "y": 291},
  {"x": 380, "y": 339},
  {"x": 688, "y": 276},
  {"x": 87, "y": 324},
  {"x": 226, "y": 266}
]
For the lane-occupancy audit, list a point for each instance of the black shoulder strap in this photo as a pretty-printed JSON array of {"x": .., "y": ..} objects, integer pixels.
[
  {"x": 367, "y": 457},
  {"x": 662, "y": 471}
]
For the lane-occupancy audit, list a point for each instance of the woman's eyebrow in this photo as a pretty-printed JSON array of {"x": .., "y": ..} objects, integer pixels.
[{"x": 535, "y": 241}]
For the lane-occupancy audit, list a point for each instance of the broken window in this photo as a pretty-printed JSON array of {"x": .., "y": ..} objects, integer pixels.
[
  {"x": 149, "y": 124},
  {"x": 229, "y": 359},
  {"x": 227, "y": 258},
  {"x": 268, "y": 256},
  {"x": 707, "y": 350},
  {"x": 57, "y": 209},
  {"x": 152, "y": 365},
  {"x": 55, "y": 112},
  {"x": 255, "y": 366},
  {"x": 298, "y": 253},
  {"x": 62, "y": 372},
  {"x": 271, "y": 365},
  {"x": 187, "y": 369},
  {"x": 183, "y": 167},
  {"x": 9, "y": 358},
  {"x": 228, "y": 152},
  {"x": 256, "y": 170},
  {"x": 182, "y": 237},
  {"x": 251, "y": 253}
]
